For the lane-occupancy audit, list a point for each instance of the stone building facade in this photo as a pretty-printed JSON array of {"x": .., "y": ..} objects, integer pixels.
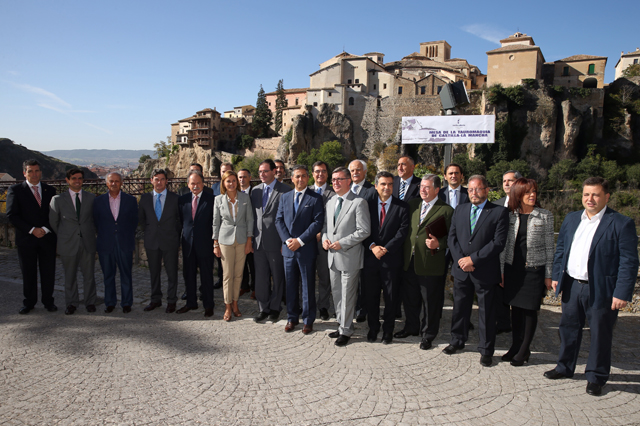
[
  {"x": 580, "y": 71},
  {"x": 516, "y": 59},
  {"x": 631, "y": 58}
]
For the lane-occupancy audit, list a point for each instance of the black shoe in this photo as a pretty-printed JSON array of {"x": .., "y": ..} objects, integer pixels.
[
  {"x": 274, "y": 316},
  {"x": 452, "y": 349},
  {"x": 486, "y": 360},
  {"x": 342, "y": 340},
  {"x": 402, "y": 334},
  {"x": 24, "y": 310},
  {"x": 425, "y": 344},
  {"x": 261, "y": 317},
  {"x": 126, "y": 309},
  {"x": 520, "y": 362},
  {"x": 184, "y": 296},
  {"x": 324, "y": 314},
  {"x": 51, "y": 308},
  {"x": 372, "y": 337},
  {"x": 70, "y": 310},
  {"x": 554, "y": 374},
  {"x": 387, "y": 338},
  {"x": 510, "y": 354},
  {"x": 594, "y": 389},
  {"x": 91, "y": 308},
  {"x": 361, "y": 318},
  {"x": 109, "y": 309},
  {"x": 334, "y": 334}
]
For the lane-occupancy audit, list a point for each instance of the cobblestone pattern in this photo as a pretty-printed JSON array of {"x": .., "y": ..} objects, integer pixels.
[{"x": 165, "y": 369}]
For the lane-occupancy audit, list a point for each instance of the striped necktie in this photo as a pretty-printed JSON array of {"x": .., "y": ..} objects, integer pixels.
[
  {"x": 403, "y": 189},
  {"x": 423, "y": 211},
  {"x": 474, "y": 217}
]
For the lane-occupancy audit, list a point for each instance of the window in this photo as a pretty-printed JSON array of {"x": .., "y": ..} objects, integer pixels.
[
  {"x": 378, "y": 100},
  {"x": 315, "y": 104},
  {"x": 565, "y": 71},
  {"x": 296, "y": 101},
  {"x": 635, "y": 61},
  {"x": 357, "y": 80},
  {"x": 384, "y": 86},
  {"x": 439, "y": 89},
  {"x": 329, "y": 94},
  {"x": 374, "y": 87},
  {"x": 399, "y": 90},
  {"x": 269, "y": 103},
  {"x": 592, "y": 69},
  {"x": 351, "y": 101},
  {"x": 349, "y": 81},
  {"x": 423, "y": 90}
]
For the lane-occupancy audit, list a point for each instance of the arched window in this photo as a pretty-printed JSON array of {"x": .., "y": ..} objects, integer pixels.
[{"x": 351, "y": 101}]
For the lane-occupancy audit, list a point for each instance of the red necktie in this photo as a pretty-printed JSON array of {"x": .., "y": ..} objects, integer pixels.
[
  {"x": 382, "y": 214},
  {"x": 194, "y": 207},
  {"x": 37, "y": 195}
]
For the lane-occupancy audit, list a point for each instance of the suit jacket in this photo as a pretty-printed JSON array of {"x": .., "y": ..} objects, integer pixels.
[
  {"x": 197, "y": 233},
  {"x": 72, "y": 232},
  {"x": 444, "y": 195},
  {"x": 24, "y": 213},
  {"x": 304, "y": 224},
  {"x": 613, "y": 257},
  {"x": 326, "y": 194},
  {"x": 108, "y": 229},
  {"x": 226, "y": 230},
  {"x": 392, "y": 234},
  {"x": 483, "y": 246},
  {"x": 264, "y": 230},
  {"x": 424, "y": 263},
  {"x": 185, "y": 190},
  {"x": 413, "y": 191},
  {"x": 215, "y": 188},
  {"x": 500, "y": 202},
  {"x": 368, "y": 191},
  {"x": 351, "y": 228},
  {"x": 163, "y": 234}
]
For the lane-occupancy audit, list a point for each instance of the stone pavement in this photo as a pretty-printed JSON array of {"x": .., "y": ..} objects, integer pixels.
[{"x": 156, "y": 368}]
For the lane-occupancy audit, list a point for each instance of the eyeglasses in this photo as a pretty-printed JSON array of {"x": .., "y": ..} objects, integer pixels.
[
  {"x": 477, "y": 189},
  {"x": 338, "y": 179},
  {"x": 319, "y": 172}
]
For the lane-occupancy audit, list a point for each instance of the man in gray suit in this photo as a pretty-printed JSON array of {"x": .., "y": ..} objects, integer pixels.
[
  {"x": 267, "y": 245},
  {"x": 159, "y": 218},
  {"x": 347, "y": 224},
  {"x": 322, "y": 187},
  {"x": 71, "y": 217}
]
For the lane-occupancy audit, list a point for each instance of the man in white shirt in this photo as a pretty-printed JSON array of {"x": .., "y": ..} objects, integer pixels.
[
  {"x": 454, "y": 193},
  {"x": 508, "y": 178},
  {"x": 360, "y": 187}
]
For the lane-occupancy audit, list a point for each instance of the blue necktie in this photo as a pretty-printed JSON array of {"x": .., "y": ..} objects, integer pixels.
[
  {"x": 265, "y": 197},
  {"x": 158, "y": 206},
  {"x": 297, "y": 202},
  {"x": 319, "y": 191},
  {"x": 403, "y": 188},
  {"x": 454, "y": 198}
]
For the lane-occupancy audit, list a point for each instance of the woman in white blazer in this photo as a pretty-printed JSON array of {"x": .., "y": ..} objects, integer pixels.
[{"x": 232, "y": 234}]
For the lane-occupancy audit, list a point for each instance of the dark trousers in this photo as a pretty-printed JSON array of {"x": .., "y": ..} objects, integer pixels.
[
  {"x": 110, "y": 262},
  {"x": 575, "y": 309},
  {"x": 376, "y": 279},
  {"x": 219, "y": 266},
  {"x": 170, "y": 258},
  {"x": 432, "y": 291},
  {"x": 191, "y": 263},
  {"x": 249, "y": 284},
  {"x": 462, "y": 306},
  {"x": 269, "y": 264},
  {"x": 300, "y": 273},
  {"x": 503, "y": 314},
  {"x": 411, "y": 299},
  {"x": 41, "y": 256}
]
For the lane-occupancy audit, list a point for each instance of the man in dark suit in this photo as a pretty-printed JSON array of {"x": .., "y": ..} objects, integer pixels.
[
  {"x": 196, "y": 216},
  {"x": 383, "y": 256},
  {"x": 454, "y": 193},
  {"x": 595, "y": 269},
  {"x": 299, "y": 219},
  {"x": 267, "y": 245},
  {"x": 28, "y": 212},
  {"x": 249, "y": 275},
  {"x": 508, "y": 178},
  {"x": 115, "y": 215},
  {"x": 71, "y": 218},
  {"x": 477, "y": 235},
  {"x": 322, "y": 187},
  {"x": 159, "y": 218},
  {"x": 424, "y": 262}
]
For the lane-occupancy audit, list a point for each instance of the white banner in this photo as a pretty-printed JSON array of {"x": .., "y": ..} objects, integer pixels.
[{"x": 449, "y": 129}]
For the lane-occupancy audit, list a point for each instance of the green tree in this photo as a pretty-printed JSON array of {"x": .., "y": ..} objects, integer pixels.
[
  {"x": 561, "y": 173},
  {"x": 163, "y": 149},
  {"x": 143, "y": 158},
  {"x": 494, "y": 174},
  {"x": 244, "y": 141},
  {"x": 470, "y": 166},
  {"x": 253, "y": 163},
  {"x": 330, "y": 152},
  {"x": 263, "y": 117},
  {"x": 281, "y": 103},
  {"x": 631, "y": 71}
]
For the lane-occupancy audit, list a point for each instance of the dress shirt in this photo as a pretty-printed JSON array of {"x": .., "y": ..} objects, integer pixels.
[
  {"x": 579, "y": 253},
  {"x": 406, "y": 185},
  {"x": 357, "y": 187},
  {"x": 155, "y": 198},
  {"x": 457, "y": 191},
  {"x": 233, "y": 207},
  {"x": 73, "y": 197},
  {"x": 38, "y": 188},
  {"x": 386, "y": 210},
  {"x": 506, "y": 202},
  {"x": 114, "y": 205},
  {"x": 246, "y": 190},
  {"x": 321, "y": 188}
]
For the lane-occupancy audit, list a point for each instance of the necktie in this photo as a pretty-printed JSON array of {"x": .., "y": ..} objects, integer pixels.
[
  {"x": 194, "y": 207},
  {"x": 403, "y": 188},
  {"x": 474, "y": 217},
  {"x": 355, "y": 189},
  {"x": 454, "y": 198},
  {"x": 78, "y": 205},
  {"x": 423, "y": 211},
  {"x": 158, "y": 206},
  {"x": 319, "y": 191},
  {"x": 265, "y": 197},
  {"x": 338, "y": 208},
  {"x": 297, "y": 203},
  {"x": 37, "y": 195},
  {"x": 383, "y": 214}
]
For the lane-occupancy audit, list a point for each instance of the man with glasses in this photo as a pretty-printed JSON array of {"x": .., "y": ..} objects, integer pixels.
[{"x": 477, "y": 236}]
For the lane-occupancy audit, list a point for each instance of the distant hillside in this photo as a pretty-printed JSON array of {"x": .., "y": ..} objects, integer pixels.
[
  {"x": 101, "y": 157},
  {"x": 13, "y": 155}
]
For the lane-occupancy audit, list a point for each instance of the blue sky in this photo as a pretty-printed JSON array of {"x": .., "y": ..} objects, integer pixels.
[{"x": 116, "y": 74}]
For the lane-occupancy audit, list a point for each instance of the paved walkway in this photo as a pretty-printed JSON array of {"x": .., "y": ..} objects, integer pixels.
[{"x": 154, "y": 368}]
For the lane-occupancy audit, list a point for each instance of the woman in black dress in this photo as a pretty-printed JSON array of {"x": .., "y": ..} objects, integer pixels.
[{"x": 527, "y": 262}]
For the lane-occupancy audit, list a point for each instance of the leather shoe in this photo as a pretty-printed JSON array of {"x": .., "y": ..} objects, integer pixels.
[
  {"x": 372, "y": 337},
  {"x": 184, "y": 296},
  {"x": 70, "y": 310},
  {"x": 261, "y": 317},
  {"x": 308, "y": 328},
  {"x": 24, "y": 310},
  {"x": 185, "y": 308},
  {"x": 91, "y": 308},
  {"x": 342, "y": 340},
  {"x": 151, "y": 306},
  {"x": 274, "y": 317},
  {"x": 425, "y": 344},
  {"x": 291, "y": 325},
  {"x": 51, "y": 308},
  {"x": 361, "y": 318},
  {"x": 452, "y": 349},
  {"x": 126, "y": 309},
  {"x": 402, "y": 334},
  {"x": 324, "y": 314},
  {"x": 171, "y": 307},
  {"x": 109, "y": 309},
  {"x": 334, "y": 334},
  {"x": 594, "y": 389},
  {"x": 208, "y": 312},
  {"x": 387, "y": 338},
  {"x": 486, "y": 360},
  {"x": 554, "y": 374}
]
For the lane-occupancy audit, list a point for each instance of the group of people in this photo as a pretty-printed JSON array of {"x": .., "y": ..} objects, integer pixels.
[{"x": 396, "y": 239}]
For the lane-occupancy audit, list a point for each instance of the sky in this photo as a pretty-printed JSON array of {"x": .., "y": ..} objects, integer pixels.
[{"x": 116, "y": 74}]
